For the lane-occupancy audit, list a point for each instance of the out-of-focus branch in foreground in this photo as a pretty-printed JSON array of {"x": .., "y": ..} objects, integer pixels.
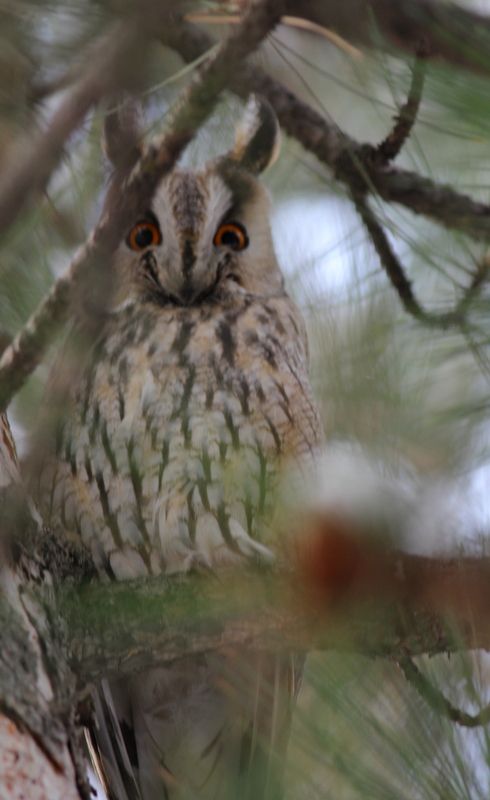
[{"x": 91, "y": 265}]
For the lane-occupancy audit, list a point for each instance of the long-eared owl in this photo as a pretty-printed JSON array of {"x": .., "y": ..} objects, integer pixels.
[{"x": 194, "y": 397}]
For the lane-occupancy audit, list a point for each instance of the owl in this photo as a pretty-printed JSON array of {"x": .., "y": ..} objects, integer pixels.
[{"x": 192, "y": 401}]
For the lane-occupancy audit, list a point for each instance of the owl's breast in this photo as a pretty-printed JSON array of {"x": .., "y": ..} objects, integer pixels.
[{"x": 179, "y": 429}]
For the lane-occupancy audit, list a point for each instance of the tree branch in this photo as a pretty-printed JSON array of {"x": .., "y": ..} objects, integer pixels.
[
  {"x": 454, "y": 34},
  {"x": 392, "y": 265},
  {"x": 159, "y": 158},
  {"x": 400, "y": 606},
  {"x": 40, "y": 751},
  {"x": 441, "y": 203},
  {"x": 392, "y": 145},
  {"x": 436, "y": 700}
]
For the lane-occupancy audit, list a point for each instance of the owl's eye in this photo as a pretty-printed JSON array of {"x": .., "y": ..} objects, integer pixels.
[
  {"x": 231, "y": 234},
  {"x": 144, "y": 234}
]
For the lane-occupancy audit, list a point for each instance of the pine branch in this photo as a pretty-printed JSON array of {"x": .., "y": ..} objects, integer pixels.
[
  {"x": 437, "y": 701},
  {"x": 392, "y": 265},
  {"x": 158, "y": 159},
  {"x": 453, "y": 34},
  {"x": 439, "y": 202},
  {"x": 401, "y": 606},
  {"x": 392, "y": 145}
]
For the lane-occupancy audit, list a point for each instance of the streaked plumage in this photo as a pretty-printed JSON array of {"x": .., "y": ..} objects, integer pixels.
[{"x": 195, "y": 396}]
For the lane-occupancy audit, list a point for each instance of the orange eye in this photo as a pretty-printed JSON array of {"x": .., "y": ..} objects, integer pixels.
[
  {"x": 231, "y": 234},
  {"x": 144, "y": 234}
]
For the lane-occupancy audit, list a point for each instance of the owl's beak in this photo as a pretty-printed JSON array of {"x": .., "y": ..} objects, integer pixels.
[
  {"x": 187, "y": 296},
  {"x": 192, "y": 290},
  {"x": 188, "y": 291}
]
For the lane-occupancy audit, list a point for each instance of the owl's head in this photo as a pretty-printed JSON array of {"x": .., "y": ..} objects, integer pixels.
[{"x": 207, "y": 233}]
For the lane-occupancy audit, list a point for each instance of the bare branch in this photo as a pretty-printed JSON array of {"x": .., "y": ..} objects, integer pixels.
[
  {"x": 196, "y": 102},
  {"x": 439, "y": 202}
]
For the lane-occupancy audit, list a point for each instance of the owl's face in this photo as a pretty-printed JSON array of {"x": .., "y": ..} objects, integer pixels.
[{"x": 207, "y": 235}]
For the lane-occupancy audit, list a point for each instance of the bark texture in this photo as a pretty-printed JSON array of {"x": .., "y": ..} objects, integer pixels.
[{"x": 26, "y": 773}]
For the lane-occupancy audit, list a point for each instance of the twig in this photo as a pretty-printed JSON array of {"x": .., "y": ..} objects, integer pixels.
[
  {"x": 321, "y": 30},
  {"x": 211, "y": 18},
  {"x": 439, "y": 202},
  {"x": 196, "y": 102},
  {"x": 396, "y": 273},
  {"x": 437, "y": 701},
  {"x": 479, "y": 279},
  {"x": 399, "y": 280},
  {"x": 390, "y": 147}
]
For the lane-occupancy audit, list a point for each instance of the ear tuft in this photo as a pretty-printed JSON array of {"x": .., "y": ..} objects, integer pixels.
[
  {"x": 258, "y": 139},
  {"x": 122, "y": 132}
]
